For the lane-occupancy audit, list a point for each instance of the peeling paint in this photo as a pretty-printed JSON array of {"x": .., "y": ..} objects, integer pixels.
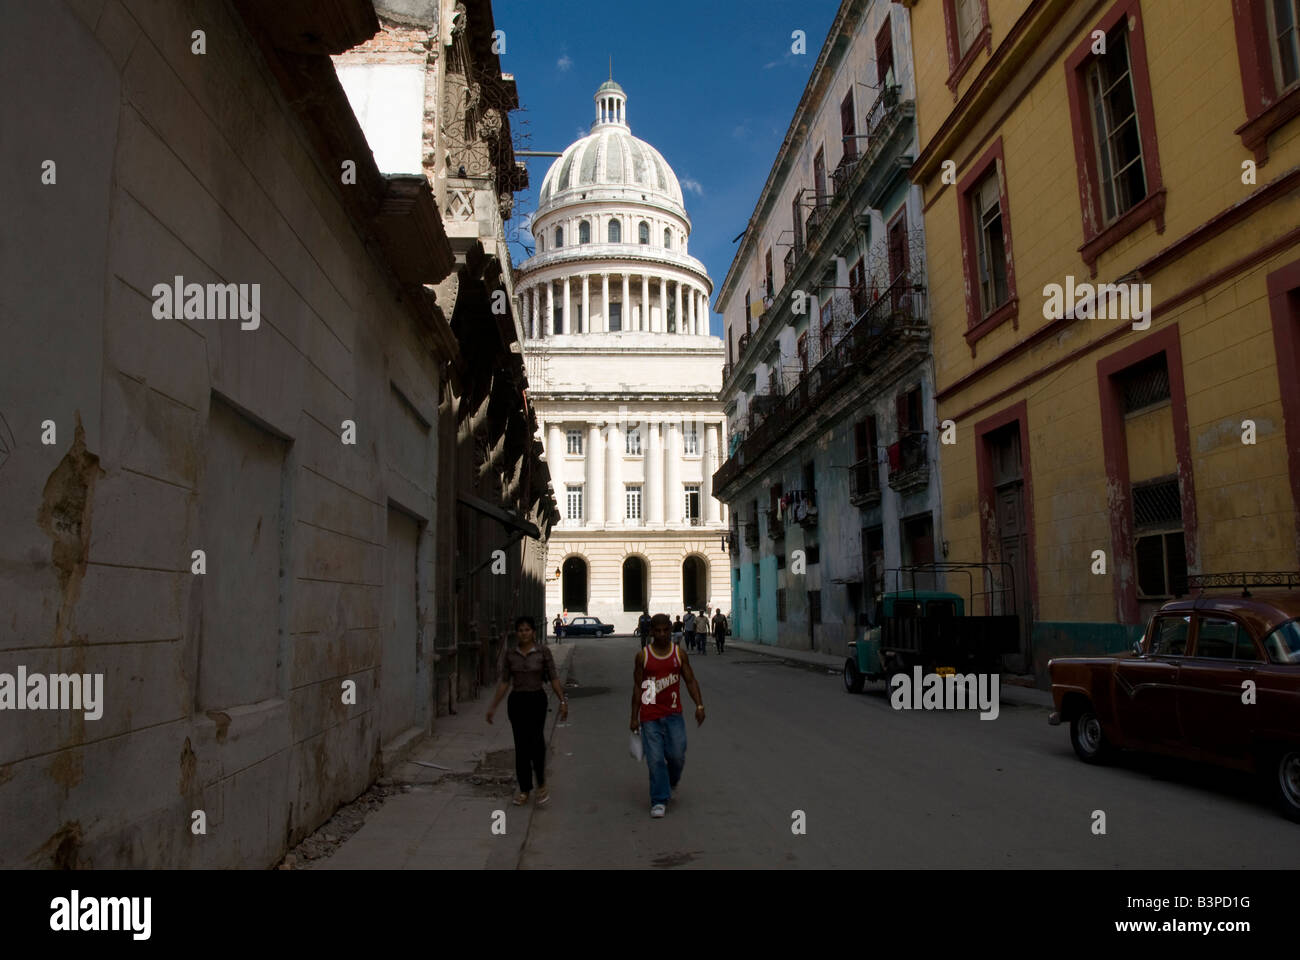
[
  {"x": 63, "y": 848},
  {"x": 65, "y": 517},
  {"x": 222, "y": 720},
  {"x": 1227, "y": 432},
  {"x": 66, "y": 769}
]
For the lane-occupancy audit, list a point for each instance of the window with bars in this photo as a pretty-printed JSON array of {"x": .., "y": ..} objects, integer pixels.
[
  {"x": 990, "y": 242},
  {"x": 1145, "y": 384},
  {"x": 574, "y": 438},
  {"x": 1284, "y": 37},
  {"x": 690, "y": 441},
  {"x": 615, "y": 232},
  {"x": 692, "y": 501},
  {"x": 633, "y": 441},
  {"x": 573, "y": 496},
  {"x": 643, "y": 232},
  {"x": 634, "y": 501},
  {"x": 1117, "y": 140},
  {"x": 584, "y": 232},
  {"x": 1159, "y": 545}
]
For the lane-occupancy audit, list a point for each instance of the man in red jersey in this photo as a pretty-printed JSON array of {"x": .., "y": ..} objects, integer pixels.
[{"x": 657, "y": 709}]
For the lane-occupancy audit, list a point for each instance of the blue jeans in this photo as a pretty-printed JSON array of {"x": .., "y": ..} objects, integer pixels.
[{"x": 664, "y": 743}]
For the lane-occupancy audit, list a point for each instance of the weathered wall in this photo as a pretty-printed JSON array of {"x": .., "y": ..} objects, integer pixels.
[
  {"x": 222, "y": 691},
  {"x": 1244, "y": 509}
]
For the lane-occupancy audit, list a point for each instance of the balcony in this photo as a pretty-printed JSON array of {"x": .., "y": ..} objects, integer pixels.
[
  {"x": 840, "y": 177},
  {"x": 751, "y": 532},
  {"x": 881, "y": 111},
  {"x": 742, "y": 345},
  {"x": 804, "y": 508},
  {"x": 733, "y": 543},
  {"x": 817, "y": 216},
  {"x": 864, "y": 482},
  {"x": 790, "y": 257},
  {"x": 909, "y": 467},
  {"x": 775, "y": 528}
]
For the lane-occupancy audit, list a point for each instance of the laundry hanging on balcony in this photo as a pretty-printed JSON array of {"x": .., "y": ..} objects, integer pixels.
[{"x": 895, "y": 457}]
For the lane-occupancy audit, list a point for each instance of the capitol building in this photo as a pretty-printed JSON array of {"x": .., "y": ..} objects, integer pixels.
[{"x": 624, "y": 377}]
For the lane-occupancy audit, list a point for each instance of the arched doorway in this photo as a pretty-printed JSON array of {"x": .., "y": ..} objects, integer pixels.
[
  {"x": 573, "y": 592},
  {"x": 636, "y": 578},
  {"x": 695, "y": 582}
]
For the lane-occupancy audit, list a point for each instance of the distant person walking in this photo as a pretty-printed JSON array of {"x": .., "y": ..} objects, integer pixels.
[
  {"x": 558, "y": 626},
  {"x": 719, "y": 629},
  {"x": 657, "y": 710},
  {"x": 643, "y": 627},
  {"x": 688, "y": 630},
  {"x": 677, "y": 629},
  {"x": 528, "y": 668}
]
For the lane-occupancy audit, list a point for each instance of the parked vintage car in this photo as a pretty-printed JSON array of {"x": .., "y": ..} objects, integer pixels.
[
  {"x": 1215, "y": 678},
  {"x": 587, "y": 627}
]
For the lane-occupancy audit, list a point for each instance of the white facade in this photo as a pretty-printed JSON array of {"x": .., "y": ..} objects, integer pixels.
[{"x": 624, "y": 376}]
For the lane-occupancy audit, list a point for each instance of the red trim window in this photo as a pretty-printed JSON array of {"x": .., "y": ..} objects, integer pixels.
[
  {"x": 985, "y": 220},
  {"x": 967, "y": 25},
  {"x": 1284, "y": 306},
  {"x": 885, "y": 74},
  {"x": 1268, "y": 48},
  {"x": 1120, "y": 187},
  {"x": 857, "y": 288}
]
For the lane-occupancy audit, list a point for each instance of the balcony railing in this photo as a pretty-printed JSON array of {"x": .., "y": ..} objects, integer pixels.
[
  {"x": 751, "y": 532},
  {"x": 864, "y": 481},
  {"x": 908, "y": 462},
  {"x": 790, "y": 257},
  {"x": 840, "y": 178},
  {"x": 817, "y": 216},
  {"x": 884, "y": 105},
  {"x": 894, "y": 317},
  {"x": 742, "y": 344}
]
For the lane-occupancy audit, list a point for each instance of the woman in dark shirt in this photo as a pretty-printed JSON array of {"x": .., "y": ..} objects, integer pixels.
[{"x": 528, "y": 668}]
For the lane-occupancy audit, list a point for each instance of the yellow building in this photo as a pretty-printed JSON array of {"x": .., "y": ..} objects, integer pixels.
[{"x": 1112, "y": 217}]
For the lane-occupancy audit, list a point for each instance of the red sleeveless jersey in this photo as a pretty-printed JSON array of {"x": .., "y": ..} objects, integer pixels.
[{"x": 666, "y": 674}]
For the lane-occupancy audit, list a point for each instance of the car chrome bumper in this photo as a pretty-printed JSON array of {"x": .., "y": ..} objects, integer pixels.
[{"x": 1054, "y": 718}]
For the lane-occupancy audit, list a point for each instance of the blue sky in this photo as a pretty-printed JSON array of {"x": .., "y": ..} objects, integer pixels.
[{"x": 711, "y": 85}]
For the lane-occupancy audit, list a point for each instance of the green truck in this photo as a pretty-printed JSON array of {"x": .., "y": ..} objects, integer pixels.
[{"x": 919, "y": 625}]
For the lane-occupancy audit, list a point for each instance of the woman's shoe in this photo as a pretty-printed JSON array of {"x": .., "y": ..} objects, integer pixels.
[
  {"x": 543, "y": 796},
  {"x": 520, "y": 799}
]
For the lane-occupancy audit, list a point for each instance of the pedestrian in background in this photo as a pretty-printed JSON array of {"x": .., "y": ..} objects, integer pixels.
[
  {"x": 657, "y": 710},
  {"x": 677, "y": 630},
  {"x": 528, "y": 668},
  {"x": 643, "y": 627},
  {"x": 688, "y": 630},
  {"x": 719, "y": 629},
  {"x": 559, "y": 628}
]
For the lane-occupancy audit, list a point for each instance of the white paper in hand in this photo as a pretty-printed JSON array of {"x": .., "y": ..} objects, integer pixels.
[{"x": 634, "y": 746}]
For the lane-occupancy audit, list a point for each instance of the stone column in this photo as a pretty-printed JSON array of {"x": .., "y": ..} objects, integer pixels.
[
  {"x": 569, "y": 325},
  {"x": 627, "y": 302},
  {"x": 604, "y": 293},
  {"x": 535, "y": 302},
  {"x": 586, "y": 304},
  {"x": 663, "y": 305},
  {"x": 614, "y": 505},
  {"x": 673, "y": 474},
  {"x": 550, "y": 306},
  {"x": 710, "y": 506},
  {"x": 654, "y": 475},
  {"x": 645, "y": 301},
  {"x": 595, "y": 476},
  {"x": 555, "y": 450},
  {"x": 677, "y": 307},
  {"x": 690, "y": 310}
]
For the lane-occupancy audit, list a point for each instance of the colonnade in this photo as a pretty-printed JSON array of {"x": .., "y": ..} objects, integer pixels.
[
  {"x": 647, "y": 311},
  {"x": 663, "y": 492}
]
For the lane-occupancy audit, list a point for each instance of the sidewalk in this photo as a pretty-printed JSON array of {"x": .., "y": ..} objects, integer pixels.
[
  {"x": 444, "y": 819},
  {"x": 1010, "y": 688}
]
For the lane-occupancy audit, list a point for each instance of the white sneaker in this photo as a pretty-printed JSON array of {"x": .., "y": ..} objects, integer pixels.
[{"x": 657, "y": 811}]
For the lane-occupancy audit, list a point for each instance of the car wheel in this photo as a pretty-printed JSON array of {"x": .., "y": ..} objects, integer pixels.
[
  {"x": 853, "y": 678},
  {"x": 1286, "y": 781},
  {"x": 1087, "y": 738}
]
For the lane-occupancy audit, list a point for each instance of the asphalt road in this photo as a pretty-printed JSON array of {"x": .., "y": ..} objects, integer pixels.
[{"x": 877, "y": 787}]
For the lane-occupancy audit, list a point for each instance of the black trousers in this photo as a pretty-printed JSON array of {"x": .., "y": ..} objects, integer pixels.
[{"x": 527, "y": 713}]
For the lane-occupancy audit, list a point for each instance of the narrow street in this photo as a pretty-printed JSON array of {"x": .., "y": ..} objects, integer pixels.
[{"x": 879, "y": 787}]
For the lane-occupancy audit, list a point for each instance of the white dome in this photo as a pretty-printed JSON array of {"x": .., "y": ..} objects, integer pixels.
[{"x": 614, "y": 163}]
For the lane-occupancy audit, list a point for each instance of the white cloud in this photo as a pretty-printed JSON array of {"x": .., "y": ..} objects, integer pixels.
[
  {"x": 692, "y": 185},
  {"x": 526, "y": 229},
  {"x": 564, "y": 63}
]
